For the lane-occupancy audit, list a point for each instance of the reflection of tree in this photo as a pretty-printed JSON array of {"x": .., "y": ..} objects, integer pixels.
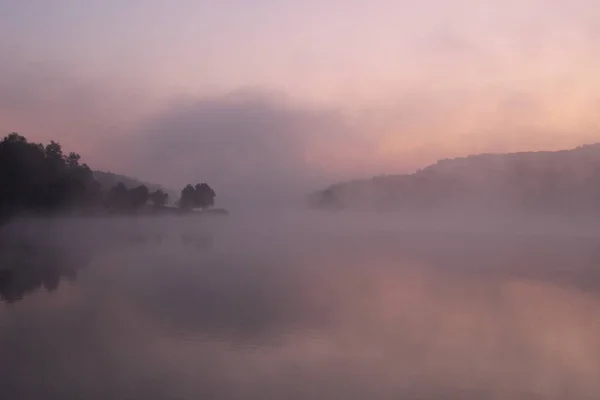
[
  {"x": 143, "y": 239},
  {"x": 26, "y": 267}
]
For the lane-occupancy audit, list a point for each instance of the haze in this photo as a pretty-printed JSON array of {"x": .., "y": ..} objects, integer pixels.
[
  {"x": 295, "y": 307},
  {"x": 308, "y": 92},
  {"x": 193, "y": 275}
]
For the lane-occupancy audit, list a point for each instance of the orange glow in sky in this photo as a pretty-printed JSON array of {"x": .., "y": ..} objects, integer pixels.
[{"x": 389, "y": 85}]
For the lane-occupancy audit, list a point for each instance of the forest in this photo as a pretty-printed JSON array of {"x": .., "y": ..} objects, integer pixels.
[
  {"x": 533, "y": 182},
  {"x": 38, "y": 179}
]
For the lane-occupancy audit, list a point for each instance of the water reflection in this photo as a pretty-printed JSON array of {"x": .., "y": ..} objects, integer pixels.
[
  {"x": 28, "y": 265},
  {"x": 386, "y": 317}
]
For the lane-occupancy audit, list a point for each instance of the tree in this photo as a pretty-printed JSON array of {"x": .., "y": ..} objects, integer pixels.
[
  {"x": 127, "y": 200},
  {"x": 205, "y": 196},
  {"x": 38, "y": 178},
  {"x": 159, "y": 198},
  {"x": 117, "y": 197},
  {"x": 138, "y": 196},
  {"x": 199, "y": 196},
  {"x": 54, "y": 153},
  {"x": 73, "y": 160},
  {"x": 187, "y": 199}
]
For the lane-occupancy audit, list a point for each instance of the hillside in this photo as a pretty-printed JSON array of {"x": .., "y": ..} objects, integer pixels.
[
  {"x": 108, "y": 179},
  {"x": 564, "y": 179}
]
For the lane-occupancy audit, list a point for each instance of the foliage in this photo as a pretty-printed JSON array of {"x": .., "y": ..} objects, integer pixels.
[
  {"x": 109, "y": 180},
  {"x": 122, "y": 199},
  {"x": 536, "y": 182},
  {"x": 41, "y": 179},
  {"x": 199, "y": 196},
  {"x": 159, "y": 198}
]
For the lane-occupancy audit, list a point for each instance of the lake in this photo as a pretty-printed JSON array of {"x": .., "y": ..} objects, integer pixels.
[{"x": 296, "y": 308}]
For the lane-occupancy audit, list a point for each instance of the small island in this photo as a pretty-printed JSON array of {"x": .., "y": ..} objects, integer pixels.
[{"x": 41, "y": 180}]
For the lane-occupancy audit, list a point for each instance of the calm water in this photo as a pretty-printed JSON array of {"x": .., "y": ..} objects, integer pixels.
[{"x": 172, "y": 309}]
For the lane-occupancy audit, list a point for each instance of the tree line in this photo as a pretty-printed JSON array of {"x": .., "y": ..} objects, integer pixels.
[{"x": 41, "y": 179}]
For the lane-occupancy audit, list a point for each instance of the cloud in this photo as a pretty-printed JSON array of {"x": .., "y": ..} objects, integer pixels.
[
  {"x": 47, "y": 102},
  {"x": 454, "y": 86},
  {"x": 247, "y": 144}
]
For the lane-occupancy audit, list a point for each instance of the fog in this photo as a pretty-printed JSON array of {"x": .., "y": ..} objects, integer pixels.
[
  {"x": 343, "y": 260},
  {"x": 299, "y": 305},
  {"x": 253, "y": 145},
  {"x": 463, "y": 300}
]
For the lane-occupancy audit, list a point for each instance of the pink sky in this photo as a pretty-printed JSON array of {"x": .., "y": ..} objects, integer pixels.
[{"x": 337, "y": 88}]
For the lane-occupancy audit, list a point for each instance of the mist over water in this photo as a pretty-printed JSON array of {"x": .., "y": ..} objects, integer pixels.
[
  {"x": 449, "y": 152},
  {"x": 299, "y": 305}
]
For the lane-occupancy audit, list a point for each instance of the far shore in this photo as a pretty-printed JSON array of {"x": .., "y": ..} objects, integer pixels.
[
  {"x": 158, "y": 211},
  {"x": 149, "y": 211}
]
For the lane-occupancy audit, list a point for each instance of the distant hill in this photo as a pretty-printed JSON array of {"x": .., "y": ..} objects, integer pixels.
[
  {"x": 108, "y": 180},
  {"x": 535, "y": 180}
]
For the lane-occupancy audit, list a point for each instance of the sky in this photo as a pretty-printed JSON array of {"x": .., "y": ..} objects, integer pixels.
[{"x": 299, "y": 93}]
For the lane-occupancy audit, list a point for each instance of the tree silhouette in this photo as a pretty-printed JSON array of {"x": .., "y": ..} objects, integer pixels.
[
  {"x": 205, "y": 195},
  {"x": 122, "y": 199},
  {"x": 138, "y": 196},
  {"x": 199, "y": 196},
  {"x": 159, "y": 198},
  {"x": 118, "y": 197},
  {"x": 187, "y": 199},
  {"x": 40, "y": 179}
]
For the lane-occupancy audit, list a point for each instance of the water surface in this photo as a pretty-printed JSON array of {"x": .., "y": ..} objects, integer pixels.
[{"x": 175, "y": 309}]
